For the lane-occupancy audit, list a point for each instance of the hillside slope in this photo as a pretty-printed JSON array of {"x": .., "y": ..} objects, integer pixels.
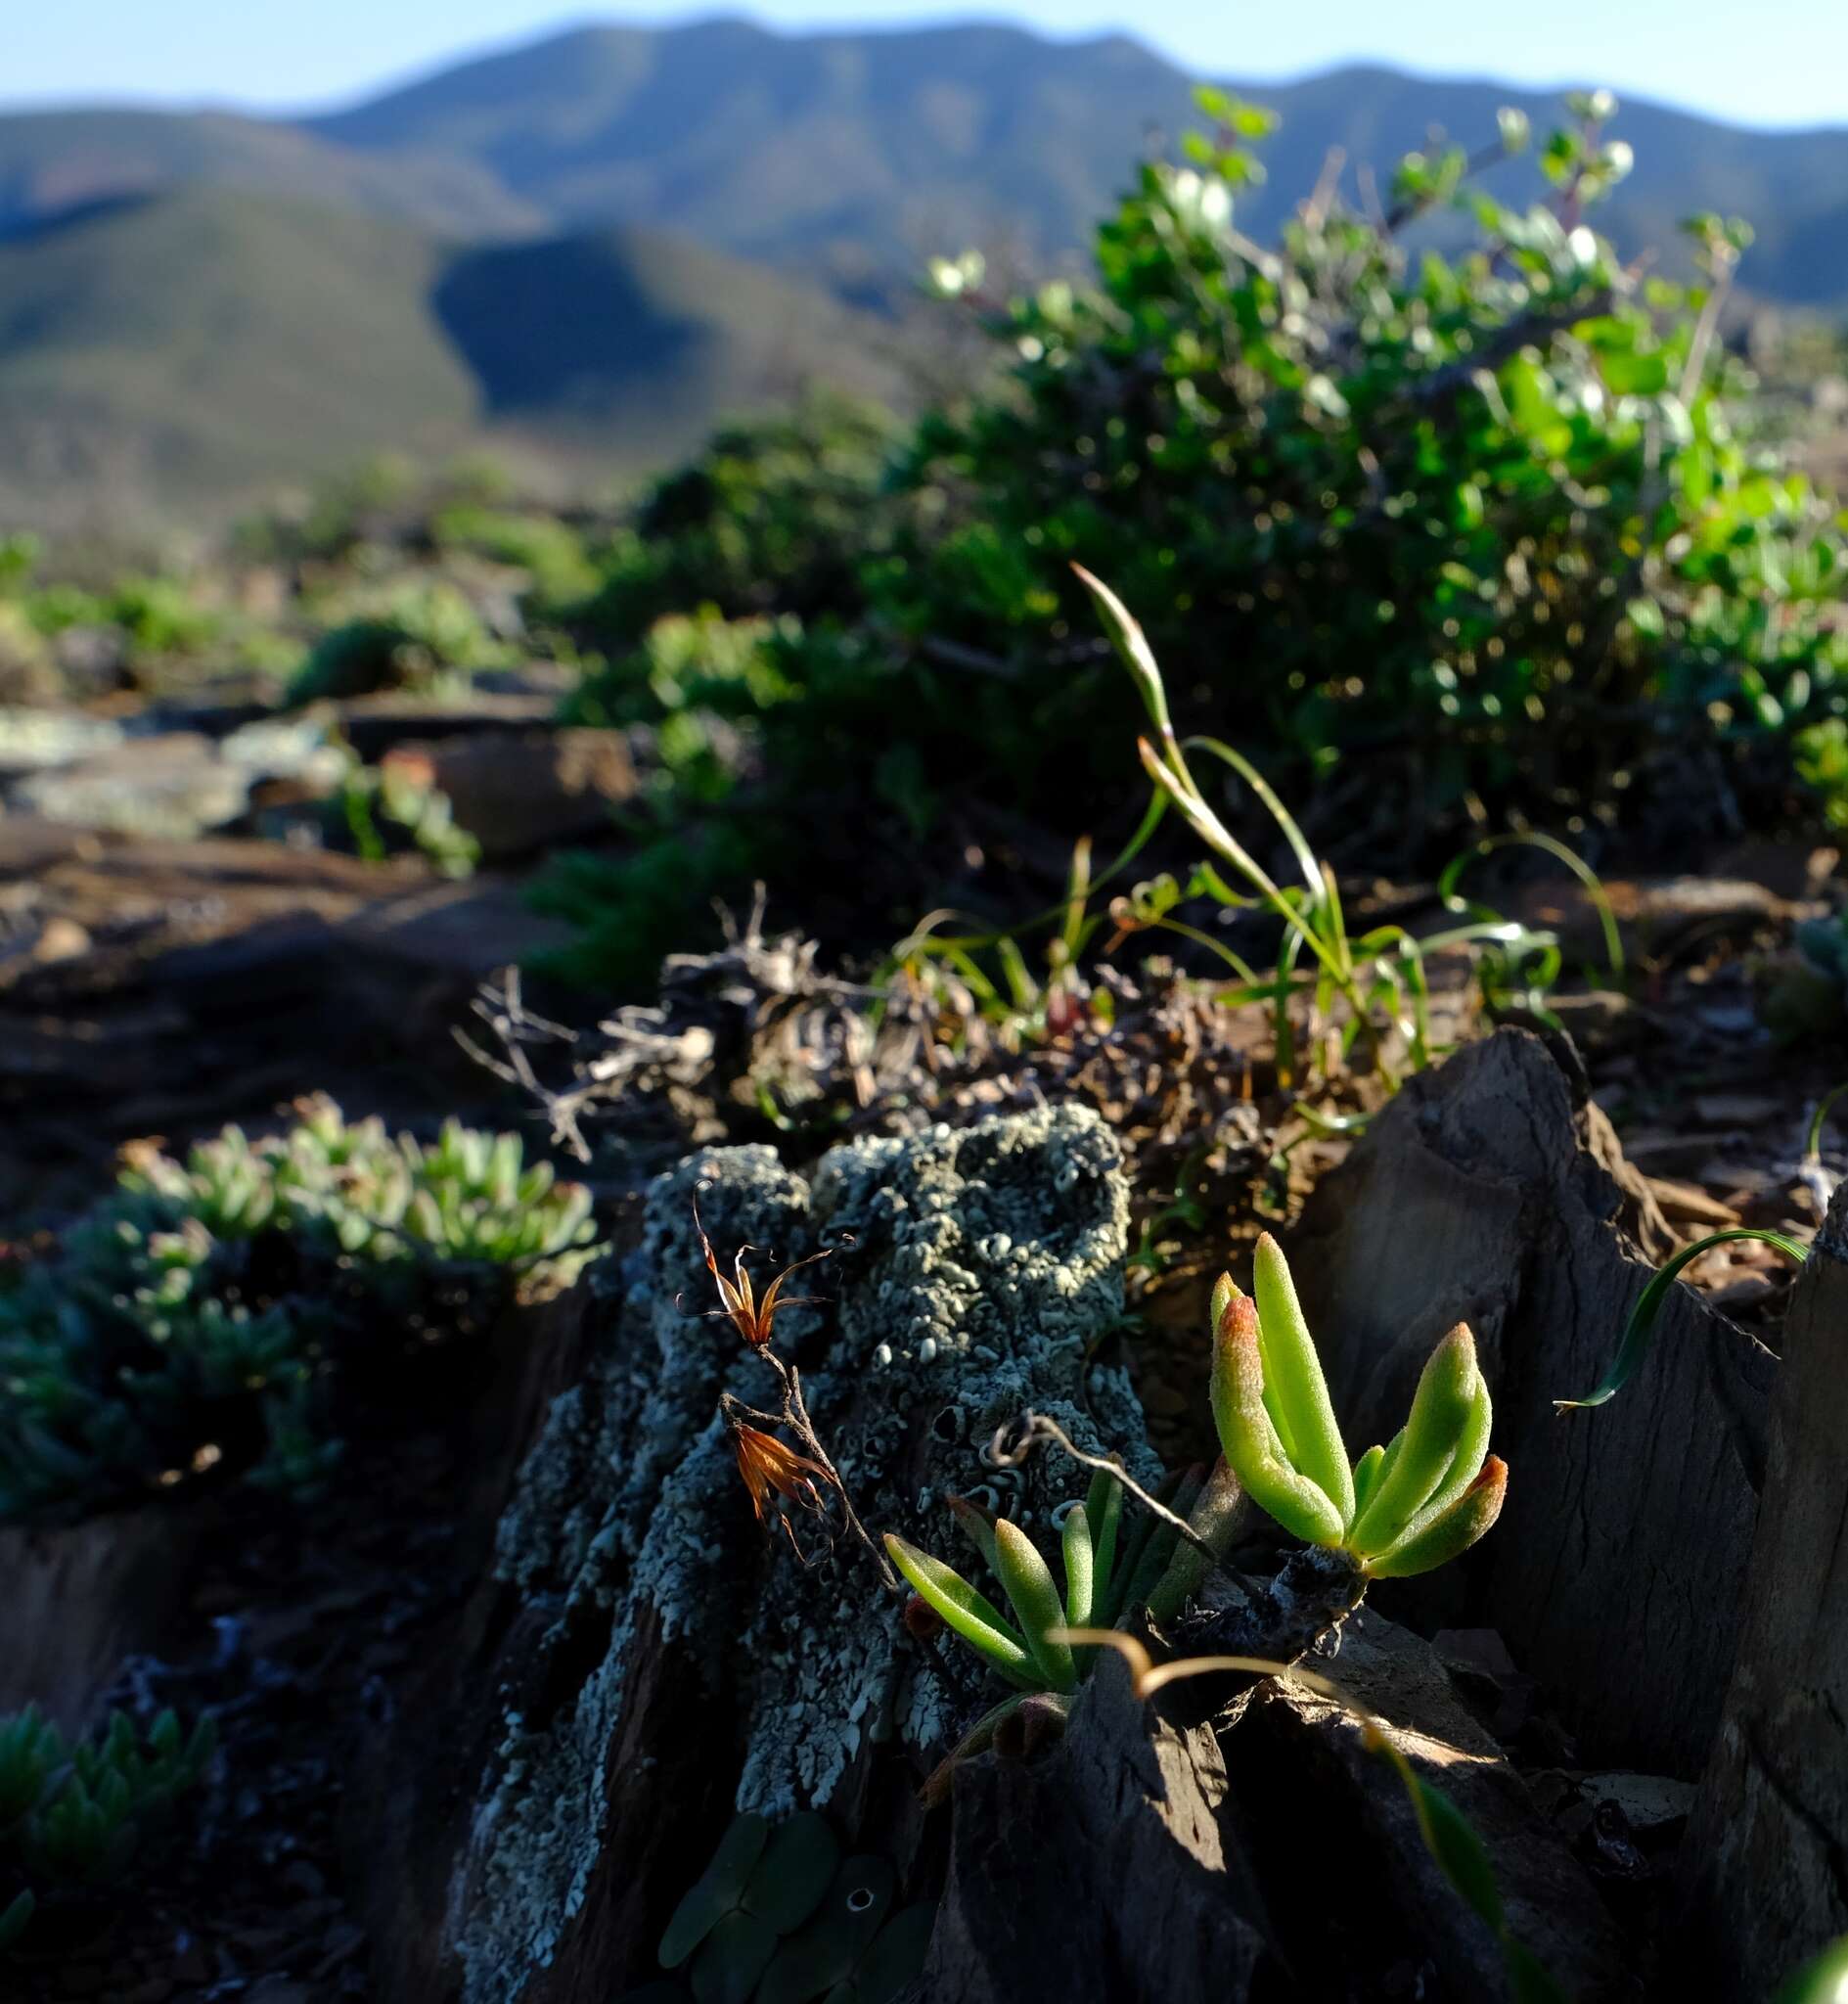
[
  {"x": 193, "y": 348},
  {"x": 52, "y": 161},
  {"x": 199, "y": 341}
]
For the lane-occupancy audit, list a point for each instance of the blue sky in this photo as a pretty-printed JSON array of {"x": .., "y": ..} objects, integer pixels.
[{"x": 1759, "y": 62}]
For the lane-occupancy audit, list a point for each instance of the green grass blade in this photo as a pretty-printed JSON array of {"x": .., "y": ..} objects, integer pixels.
[
  {"x": 1640, "y": 1330},
  {"x": 1550, "y": 846}
]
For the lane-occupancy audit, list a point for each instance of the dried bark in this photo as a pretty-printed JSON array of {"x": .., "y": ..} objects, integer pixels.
[
  {"x": 1765, "y": 1857},
  {"x": 81, "y": 1599},
  {"x": 1102, "y": 1869},
  {"x": 1618, "y": 1572},
  {"x": 1144, "y": 1858}
]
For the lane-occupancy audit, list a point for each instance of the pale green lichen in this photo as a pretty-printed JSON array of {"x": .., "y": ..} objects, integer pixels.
[{"x": 975, "y": 1269}]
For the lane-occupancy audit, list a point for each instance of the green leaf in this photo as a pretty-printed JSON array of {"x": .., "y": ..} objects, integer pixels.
[
  {"x": 1436, "y": 1537},
  {"x": 1034, "y": 1596},
  {"x": 717, "y": 1891},
  {"x": 974, "y": 1619},
  {"x": 1824, "y": 1979},
  {"x": 1366, "y": 1475},
  {"x": 1103, "y": 1513},
  {"x": 1293, "y": 1372},
  {"x": 1080, "y": 1559},
  {"x": 1460, "y": 1854},
  {"x": 1249, "y": 1441},
  {"x": 1443, "y": 1410}
]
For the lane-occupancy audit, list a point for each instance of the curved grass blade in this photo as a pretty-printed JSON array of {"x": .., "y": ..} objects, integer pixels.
[
  {"x": 1640, "y": 1330},
  {"x": 1550, "y": 846}
]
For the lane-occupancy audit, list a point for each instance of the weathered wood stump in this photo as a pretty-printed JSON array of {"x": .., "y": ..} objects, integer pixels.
[
  {"x": 1618, "y": 1572},
  {"x": 1765, "y": 1856}
]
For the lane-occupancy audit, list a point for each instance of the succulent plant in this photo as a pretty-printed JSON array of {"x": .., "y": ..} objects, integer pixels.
[
  {"x": 71, "y": 1814},
  {"x": 1408, "y": 1507},
  {"x": 779, "y": 1917},
  {"x": 218, "y": 1294},
  {"x": 1112, "y": 1567}
]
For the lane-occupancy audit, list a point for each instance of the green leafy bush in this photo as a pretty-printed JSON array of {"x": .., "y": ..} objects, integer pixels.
[
  {"x": 774, "y": 514},
  {"x": 226, "y": 1311},
  {"x": 1451, "y": 492},
  {"x": 72, "y": 1813},
  {"x": 423, "y": 637}
]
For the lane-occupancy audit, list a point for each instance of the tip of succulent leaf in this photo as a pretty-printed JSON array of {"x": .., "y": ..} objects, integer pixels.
[
  {"x": 1225, "y": 1292},
  {"x": 1236, "y": 1324}
]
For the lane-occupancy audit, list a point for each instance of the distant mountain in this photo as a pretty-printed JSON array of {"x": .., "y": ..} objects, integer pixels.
[
  {"x": 191, "y": 348},
  {"x": 850, "y": 150}
]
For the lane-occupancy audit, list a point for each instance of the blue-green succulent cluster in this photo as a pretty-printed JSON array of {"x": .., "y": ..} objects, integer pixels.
[
  {"x": 779, "y": 1917},
  {"x": 203, "y": 1310},
  {"x": 72, "y": 1813}
]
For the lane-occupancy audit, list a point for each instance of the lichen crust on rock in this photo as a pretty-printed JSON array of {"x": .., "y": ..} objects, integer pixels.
[{"x": 972, "y": 1274}]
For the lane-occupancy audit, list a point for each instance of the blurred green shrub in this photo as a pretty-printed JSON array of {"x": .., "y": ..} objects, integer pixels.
[{"x": 424, "y": 638}]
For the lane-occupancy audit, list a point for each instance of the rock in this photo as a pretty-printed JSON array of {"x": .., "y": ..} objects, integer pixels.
[
  {"x": 172, "y": 787},
  {"x": 29, "y": 844},
  {"x": 1481, "y": 1194},
  {"x": 35, "y": 740},
  {"x": 373, "y": 724},
  {"x": 464, "y": 931},
  {"x": 515, "y": 791},
  {"x": 1102, "y": 1868},
  {"x": 59, "y": 938},
  {"x": 645, "y": 1661},
  {"x": 1766, "y": 1859}
]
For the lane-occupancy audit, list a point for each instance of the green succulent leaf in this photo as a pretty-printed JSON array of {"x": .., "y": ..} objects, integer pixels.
[
  {"x": 1249, "y": 1441},
  {"x": 1034, "y": 1596},
  {"x": 717, "y": 1891},
  {"x": 1367, "y": 1475},
  {"x": 1820, "y": 1981},
  {"x": 1434, "y": 1542},
  {"x": 1103, "y": 1514},
  {"x": 1292, "y": 1371},
  {"x": 974, "y": 1617},
  {"x": 1080, "y": 1562},
  {"x": 1442, "y": 1411}
]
